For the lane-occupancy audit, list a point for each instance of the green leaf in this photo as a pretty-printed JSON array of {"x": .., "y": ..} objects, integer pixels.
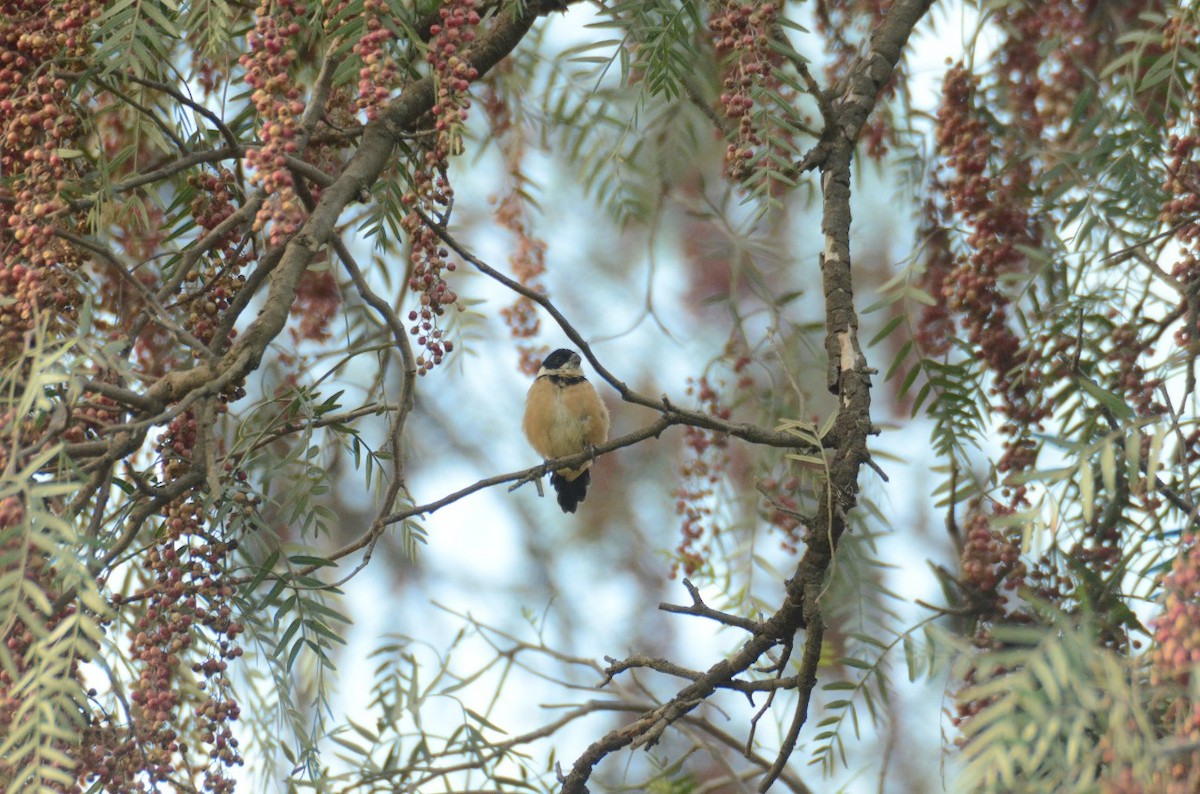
[{"x": 1109, "y": 400}]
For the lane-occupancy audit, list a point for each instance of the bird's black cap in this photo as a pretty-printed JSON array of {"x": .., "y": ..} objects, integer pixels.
[{"x": 558, "y": 358}]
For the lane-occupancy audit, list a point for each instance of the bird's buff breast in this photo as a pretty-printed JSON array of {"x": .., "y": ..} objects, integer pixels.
[
  {"x": 556, "y": 424},
  {"x": 567, "y": 431}
]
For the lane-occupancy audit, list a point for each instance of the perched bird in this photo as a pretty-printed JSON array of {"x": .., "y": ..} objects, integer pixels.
[{"x": 563, "y": 417}]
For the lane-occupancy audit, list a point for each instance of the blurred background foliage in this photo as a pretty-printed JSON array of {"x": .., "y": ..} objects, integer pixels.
[{"x": 199, "y": 592}]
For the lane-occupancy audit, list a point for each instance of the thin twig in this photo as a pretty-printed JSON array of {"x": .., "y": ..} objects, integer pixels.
[{"x": 703, "y": 610}]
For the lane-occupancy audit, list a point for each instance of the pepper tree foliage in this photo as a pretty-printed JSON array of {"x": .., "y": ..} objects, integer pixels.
[{"x": 186, "y": 193}]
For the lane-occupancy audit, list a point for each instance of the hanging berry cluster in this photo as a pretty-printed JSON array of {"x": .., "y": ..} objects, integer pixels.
[
  {"x": 741, "y": 34},
  {"x": 706, "y": 461},
  {"x": 935, "y": 329},
  {"x": 528, "y": 260},
  {"x": 782, "y": 514},
  {"x": 268, "y": 63},
  {"x": 991, "y": 560},
  {"x": 1043, "y": 87},
  {"x": 431, "y": 192},
  {"x": 317, "y": 302},
  {"x": 528, "y": 263},
  {"x": 38, "y": 122},
  {"x": 213, "y": 283},
  {"x": 1035, "y": 90},
  {"x": 453, "y": 74},
  {"x": 379, "y": 72},
  {"x": 429, "y": 262},
  {"x": 1173, "y": 658},
  {"x": 186, "y": 613},
  {"x": 995, "y": 209},
  {"x": 1181, "y": 209}
]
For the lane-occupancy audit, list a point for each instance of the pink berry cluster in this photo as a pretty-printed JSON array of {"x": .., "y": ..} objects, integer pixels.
[
  {"x": 1181, "y": 209},
  {"x": 429, "y": 262},
  {"x": 705, "y": 463},
  {"x": 1176, "y": 651},
  {"x": 936, "y": 328},
  {"x": 1173, "y": 659},
  {"x": 528, "y": 263},
  {"x": 186, "y": 615},
  {"x": 268, "y": 63},
  {"x": 453, "y": 73},
  {"x": 528, "y": 260},
  {"x": 39, "y": 121},
  {"x": 317, "y": 302},
  {"x": 990, "y": 559},
  {"x": 379, "y": 72},
  {"x": 995, "y": 211},
  {"x": 431, "y": 190},
  {"x": 741, "y": 34},
  {"x": 1032, "y": 89},
  {"x": 1051, "y": 54},
  {"x": 217, "y": 279}
]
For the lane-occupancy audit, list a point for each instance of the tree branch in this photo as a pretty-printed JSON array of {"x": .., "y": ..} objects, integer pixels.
[
  {"x": 618, "y": 666},
  {"x": 703, "y": 610},
  {"x": 849, "y": 378}
]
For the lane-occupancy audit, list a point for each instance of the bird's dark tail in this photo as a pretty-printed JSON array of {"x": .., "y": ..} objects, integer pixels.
[{"x": 571, "y": 492}]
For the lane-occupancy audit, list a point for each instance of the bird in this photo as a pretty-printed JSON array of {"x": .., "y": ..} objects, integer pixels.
[{"x": 565, "y": 416}]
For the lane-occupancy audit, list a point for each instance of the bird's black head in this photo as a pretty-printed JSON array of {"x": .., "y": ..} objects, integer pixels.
[{"x": 561, "y": 359}]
